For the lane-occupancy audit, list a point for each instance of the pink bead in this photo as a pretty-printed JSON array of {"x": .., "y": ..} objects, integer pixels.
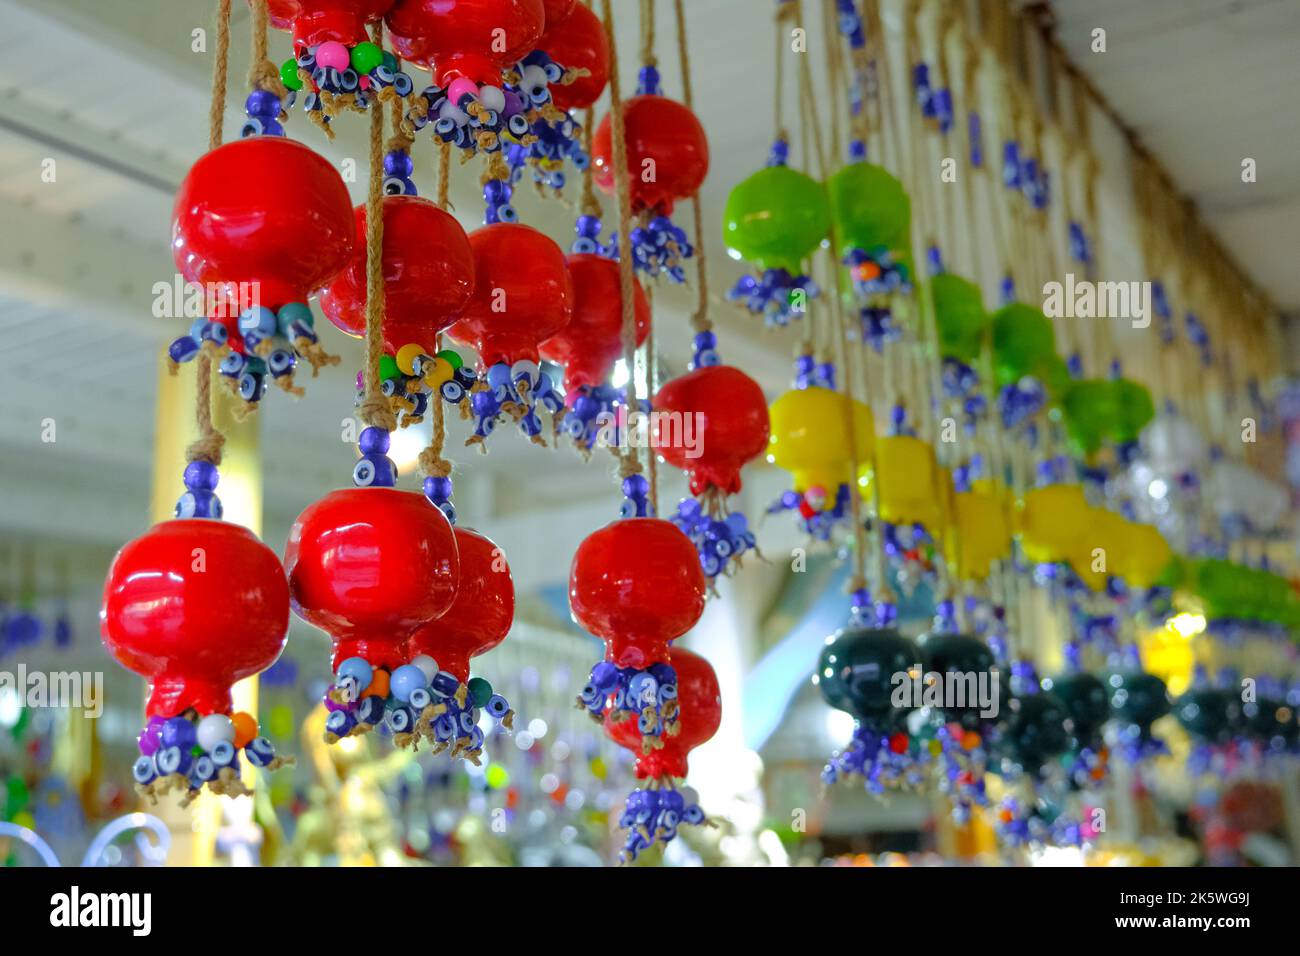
[
  {"x": 333, "y": 54},
  {"x": 361, "y": 380},
  {"x": 460, "y": 88},
  {"x": 364, "y": 82}
]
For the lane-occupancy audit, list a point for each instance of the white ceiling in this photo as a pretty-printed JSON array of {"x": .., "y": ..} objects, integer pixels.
[{"x": 1205, "y": 84}]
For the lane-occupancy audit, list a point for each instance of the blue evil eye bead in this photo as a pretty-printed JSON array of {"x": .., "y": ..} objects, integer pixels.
[
  {"x": 420, "y": 698},
  {"x": 215, "y": 333},
  {"x": 370, "y": 711},
  {"x": 202, "y": 770},
  {"x": 222, "y": 754},
  {"x": 143, "y": 771},
  {"x": 399, "y": 163},
  {"x": 476, "y": 740},
  {"x": 480, "y": 691},
  {"x": 525, "y": 370},
  {"x": 466, "y": 721},
  {"x": 642, "y": 689},
  {"x": 179, "y": 732},
  {"x": 448, "y": 511},
  {"x": 604, "y": 675},
  {"x": 403, "y": 84},
  {"x": 437, "y": 489},
  {"x": 198, "y": 504},
  {"x": 592, "y": 697},
  {"x": 445, "y": 684},
  {"x": 262, "y": 103},
  {"x": 452, "y": 391},
  {"x": 183, "y": 349},
  {"x": 444, "y": 728},
  {"x": 261, "y": 751},
  {"x": 201, "y": 476},
  {"x": 281, "y": 362},
  {"x": 252, "y": 386},
  {"x": 170, "y": 760},
  {"x": 400, "y": 720},
  {"x": 233, "y": 365},
  {"x": 585, "y": 245},
  {"x": 378, "y": 472},
  {"x": 405, "y": 679},
  {"x": 428, "y": 666},
  {"x": 517, "y": 125},
  {"x": 357, "y": 668},
  {"x": 497, "y": 706}
]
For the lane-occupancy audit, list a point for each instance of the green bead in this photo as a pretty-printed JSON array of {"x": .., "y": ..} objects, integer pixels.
[
  {"x": 366, "y": 56},
  {"x": 289, "y": 74},
  {"x": 480, "y": 691},
  {"x": 451, "y": 357},
  {"x": 388, "y": 368},
  {"x": 775, "y": 218},
  {"x": 960, "y": 316},
  {"x": 196, "y": 751},
  {"x": 869, "y": 208}
]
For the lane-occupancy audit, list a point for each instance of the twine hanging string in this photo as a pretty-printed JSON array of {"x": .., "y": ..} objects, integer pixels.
[
  {"x": 262, "y": 73},
  {"x": 375, "y": 410},
  {"x": 208, "y": 446},
  {"x": 590, "y": 204},
  {"x": 630, "y": 464},
  {"x": 700, "y": 319}
]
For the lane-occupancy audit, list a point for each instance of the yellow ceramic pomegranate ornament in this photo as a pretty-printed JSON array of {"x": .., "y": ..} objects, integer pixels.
[
  {"x": 1100, "y": 549},
  {"x": 1145, "y": 554},
  {"x": 980, "y": 532},
  {"x": 913, "y": 488},
  {"x": 810, "y": 437},
  {"x": 1051, "y": 518}
]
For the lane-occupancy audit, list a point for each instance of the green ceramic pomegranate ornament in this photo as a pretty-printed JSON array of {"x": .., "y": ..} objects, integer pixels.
[
  {"x": 869, "y": 208},
  {"x": 1023, "y": 342},
  {"x": 959, "y": 315}
]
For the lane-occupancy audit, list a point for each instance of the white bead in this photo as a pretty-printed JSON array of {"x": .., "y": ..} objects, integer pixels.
[
  {"x": 213, "y": 729},
  {"x": 493, "y": 97},
  {"x": 427, "y": 665}
]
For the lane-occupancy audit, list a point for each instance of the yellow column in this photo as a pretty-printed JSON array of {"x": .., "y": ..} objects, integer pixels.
[{"x": 194, "y": 832}]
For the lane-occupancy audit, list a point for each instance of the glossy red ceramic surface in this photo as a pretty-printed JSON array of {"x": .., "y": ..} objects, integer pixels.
[
  {"x": 192, "y": 606},
  {"x": 700, "y": 716},
  {"x": 577, "y": 41},
  {"x": 593, "y": 340},
  {"x": 481, "y": 616},
  {"x": 663, "y": 131},
  {"x": 264, "y": 209},
  {"x": 368, "y": 566},
  {"x": 636, "y": 584},
  {"x": 316, "y": 21},
  {"x": 732, "y": 425},
  {"x": 522, "y": 293},
  {"x": 476, "y": 39},
  {"x": 428, "y": 274}
]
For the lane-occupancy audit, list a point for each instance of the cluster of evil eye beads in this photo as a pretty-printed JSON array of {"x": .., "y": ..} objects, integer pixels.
[
  {"x": 486, "y": 118},
  {"x": 719, "y": 541},
  {"x": 653, "y": 815},
  {"x": 882, "y": 760},
  {"x": 876, "y": 272},
  {"x": 514, "y": 391},
  {"x": 271, "y": 343},
  {"x": 411, "y": 378},
  {"x": 649, "y": 696},
  {"x": 777, "y": 295},
  {"x": 334, "y": 70},
  {"x": 189, "y": 752},
  {"x": 819, "y": 514},
  {"x": 659, "y": 246},
  {"x": 414, "y": 701}
]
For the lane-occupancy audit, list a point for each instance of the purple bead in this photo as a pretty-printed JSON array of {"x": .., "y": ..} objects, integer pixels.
[
  {"x": 262, "y": 103},
  {"x": 588, "y": 226},
  {"x": 179, "y": 732},
  {"x": 437, "y": 489},
  {"x": 398, "y": 163},
  {"x": 635, "y": 486},
  {"x": 151, "y": 736},
  {"x": 201, "y": 476},
  {"x": 373, "y": 441}
]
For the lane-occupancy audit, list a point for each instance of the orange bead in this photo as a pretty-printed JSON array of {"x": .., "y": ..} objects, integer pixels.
[
  {"x": 970, "y": 740},
  {"x": 245, "y": 728},
  {"x": 378, "y": 684}
]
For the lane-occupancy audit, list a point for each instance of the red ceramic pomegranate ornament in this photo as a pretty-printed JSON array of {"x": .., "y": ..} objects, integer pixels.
[
  {"x": 428, "y": 275},
  {"x": 653, "y": 814},
  {"x": 370, "y": 565},
  {"x": 667, "y": 153},
  {"x": 263, "y": 221},
  {"x": 478, "y": 620},
  {"x": 467, "y": 39},
  {"x": 321, "y": 21},
  {"x": 576, "y": 40},
  {"x": 193, "y": 606},
  {"x": 593, "y": 340},
  {"x": 523, "y": 295},
  {"x": 637, "y": 585}
]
